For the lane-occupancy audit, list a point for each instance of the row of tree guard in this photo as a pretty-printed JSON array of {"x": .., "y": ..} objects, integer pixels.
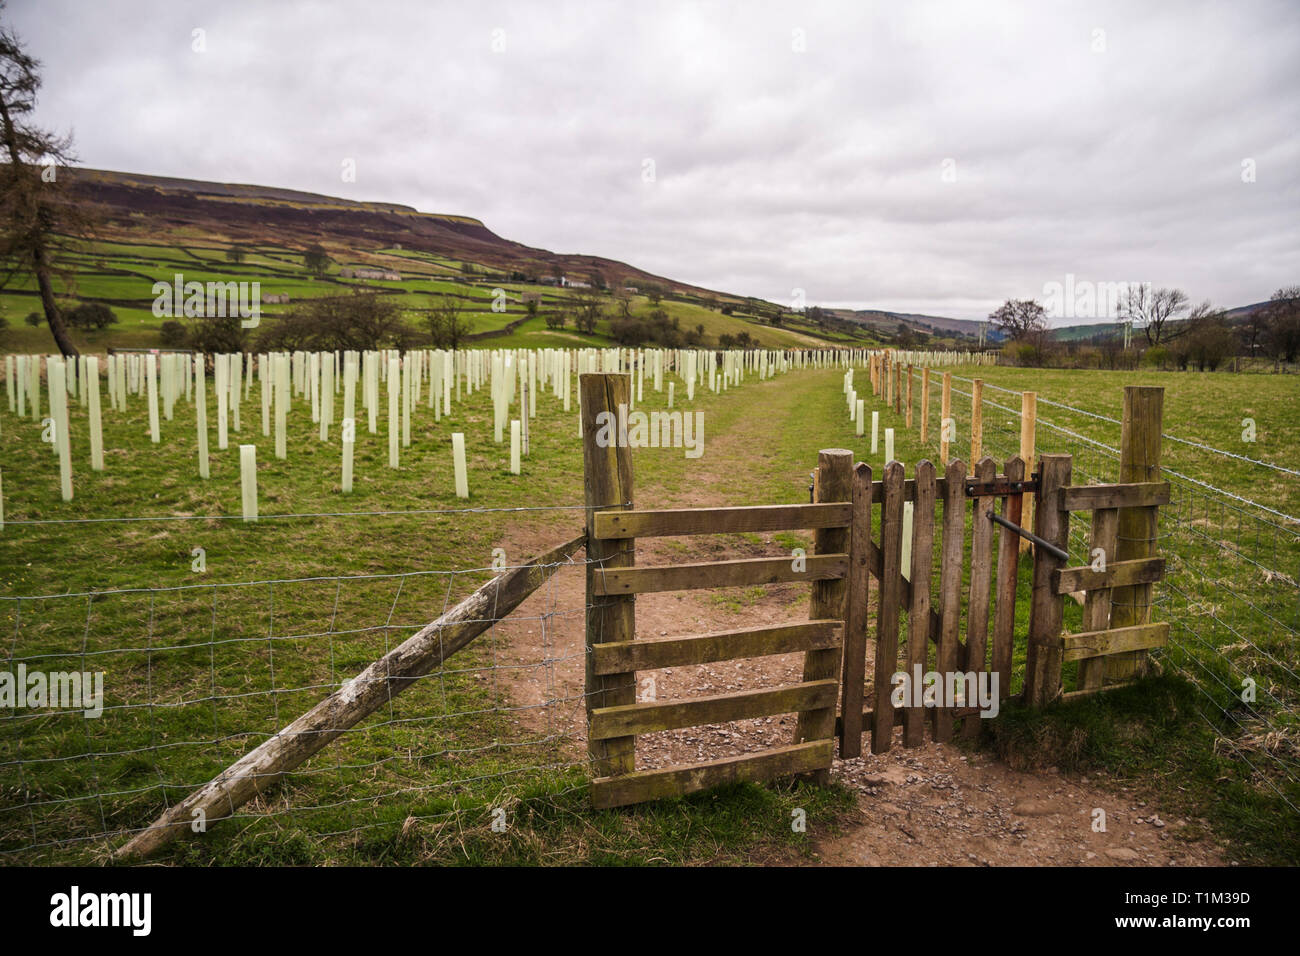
[{"x": 298, "y": 381}]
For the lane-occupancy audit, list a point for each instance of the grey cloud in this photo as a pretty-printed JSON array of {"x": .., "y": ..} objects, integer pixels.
[{"x": 775, "y": 169}]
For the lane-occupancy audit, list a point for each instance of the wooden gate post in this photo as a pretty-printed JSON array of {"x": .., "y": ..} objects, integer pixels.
[
  {"x": 1139, "y": 460},
  {"x": 834, "y": 483},
  {"x": 1043, "y": 656},
  {"x": 607, "y": 483}
]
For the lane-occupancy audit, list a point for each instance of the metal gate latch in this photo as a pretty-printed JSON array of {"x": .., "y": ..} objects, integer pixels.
[{"x": 1047, "y": 546}]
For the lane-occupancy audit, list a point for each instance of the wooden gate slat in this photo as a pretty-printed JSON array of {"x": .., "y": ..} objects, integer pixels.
[
  {"x": 642, "y": 785},
  {"x": 651, "y": 717},
  {"x": 950, "y": 574},
  {"x": 887, "y": 611},
  {"x": 1004, "y": 614},
  {"x": 981, "y": 579},
  {"x": 918, "y": 615},
  {"x": 721, "y": 574},
  {"x": 687, "y": 521},
  {"x": 655, "y": 652},
  {"x": 855, "y": 617}
]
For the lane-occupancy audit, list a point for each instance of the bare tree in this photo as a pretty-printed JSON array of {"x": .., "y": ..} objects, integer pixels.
[
  {"x": 447, "y": 322},
  {"x": 316, "y": 260},
  {"x": 38, "y": 218},
  {"x": 361, "y": 322},
  {"x": 1019, "y": 319},
  {"x": 1284, "y": 323},
  {"x": 587, "y": 312},
  {"x": 1153, "y": 309},
  {"x": 1254, "y": 330},
  {"x": 1209, "y": 340},
  {"x": 623, "y": 302}
]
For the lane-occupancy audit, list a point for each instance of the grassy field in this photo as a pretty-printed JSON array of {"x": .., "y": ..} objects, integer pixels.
[
  {"x": 121, "y": 274},
  {"x": 200, "y": 673}
]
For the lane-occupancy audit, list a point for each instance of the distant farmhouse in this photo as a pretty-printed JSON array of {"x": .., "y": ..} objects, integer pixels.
[
  {"x": 365, "y": 273},
  {"x": 275, "y": 298},
  {"x": 573, "y": 283}
]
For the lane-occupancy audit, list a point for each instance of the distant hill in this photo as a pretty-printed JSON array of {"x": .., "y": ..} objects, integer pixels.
[
  {"x": 1104, "y": 331},
  {"x": 244, "y": 213},
  {"x": 887, "y": 322}
]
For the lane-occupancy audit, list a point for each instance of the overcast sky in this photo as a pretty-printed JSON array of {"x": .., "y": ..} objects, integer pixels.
[{"x": 915, "y": 157}]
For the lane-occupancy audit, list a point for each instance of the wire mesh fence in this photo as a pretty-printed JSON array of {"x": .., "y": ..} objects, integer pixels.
[{"x": 177, "y": 683}]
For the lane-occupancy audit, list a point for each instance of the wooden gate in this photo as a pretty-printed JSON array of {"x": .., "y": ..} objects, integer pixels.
[{"x": 919, "y": 567}]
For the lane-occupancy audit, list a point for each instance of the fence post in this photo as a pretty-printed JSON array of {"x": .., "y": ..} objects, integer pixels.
[
  {"x": 976, "y": 423},
  {"x": 607, "y": 470},
  {"x": 925, "y": 404},
  {"x": 834, "y": 483},
  {"x": 1139, "y": 460},
  {"x": 1028, "y": 431},
  {"x": 1043, "y": 655},
  {"x": 945, "y": 416},
  {"x": 908, "y": 422}
]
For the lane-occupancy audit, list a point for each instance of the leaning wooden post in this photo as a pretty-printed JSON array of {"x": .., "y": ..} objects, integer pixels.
[
  {"x": 834, "y": 483},
  {"x": 976, "y": 423},
  {"x": 1043, "y": 655},
  {"x": 854, "y": 669},
  {"x": 607, "y": 469},
  {"x": 1028, "y": 429},
  {"x": 1139, "y": 460}
]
